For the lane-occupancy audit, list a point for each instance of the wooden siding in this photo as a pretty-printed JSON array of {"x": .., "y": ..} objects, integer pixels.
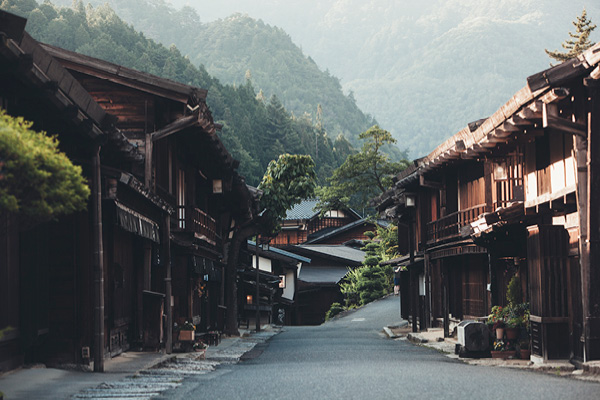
[{"x": 549, "y": 168}]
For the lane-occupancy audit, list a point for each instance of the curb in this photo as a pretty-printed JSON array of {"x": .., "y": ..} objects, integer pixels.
[{"x": 416, "y": 338}]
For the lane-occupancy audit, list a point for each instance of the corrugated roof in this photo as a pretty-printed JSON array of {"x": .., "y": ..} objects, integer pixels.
[
  {"x": 339, "y": 251},
  {"x": 304, "y": 210},
  {"x": 280, "y": 252},
  {"x": 322, "y": 274}
]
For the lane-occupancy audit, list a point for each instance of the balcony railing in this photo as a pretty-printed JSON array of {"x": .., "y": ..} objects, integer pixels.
[
  {"x": 192, "y": 219},
  {"x": 449, "y": 227}
]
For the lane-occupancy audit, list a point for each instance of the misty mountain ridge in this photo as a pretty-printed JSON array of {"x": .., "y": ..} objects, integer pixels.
[{"x": 422, "y": 69}]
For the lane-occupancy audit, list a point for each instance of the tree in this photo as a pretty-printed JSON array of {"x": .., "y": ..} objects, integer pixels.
[
  {"x": 578, "y": 42},
  {"x": 372, "y": 280},
  {"x": 37, "y": 181},
  {"x": 287, "y": 181},
  {"x": 363, "y": 175}
]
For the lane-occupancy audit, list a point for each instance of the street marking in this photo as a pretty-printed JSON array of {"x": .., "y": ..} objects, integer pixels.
[{"x": 358, "y": 320}]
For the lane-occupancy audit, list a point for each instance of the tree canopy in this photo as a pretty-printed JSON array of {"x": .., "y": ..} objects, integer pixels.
[
  {"x": 287, "y": 181},
  {"x": 578, "y": 42},
  {"x": 37, "y": 181},
  {"x": 363, "y": 175}
]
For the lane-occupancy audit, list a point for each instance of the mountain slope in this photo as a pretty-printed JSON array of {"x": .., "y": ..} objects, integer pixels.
[
  {"x": 254, "y": 131},
  {"x": 232, "y": 47}
]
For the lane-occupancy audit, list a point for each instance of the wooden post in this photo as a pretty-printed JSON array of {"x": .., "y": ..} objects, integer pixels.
[
  {"x": 428, "y": 316},
  {"x": 445, "y": 300},
  {"x": 98, "y": 263},
  {"x": 487, "y": 179},
  {"x": 493, "y": 283},
  {"x": 590, "y": 256},
  {"x": 414, "y": 282},
  {"x": 257, "y": 285},
  {"x": 168, "y": 287}
]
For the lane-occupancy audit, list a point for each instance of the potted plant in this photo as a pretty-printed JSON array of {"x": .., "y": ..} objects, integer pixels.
[
  {"x": 496, "y": 320},
  {"x": 513, "y": 327},
  {"x": 186, "y": 331},
  {"x": 200, "y": 347},
  {"x": 503, "y": 349},
  {"x": 524, "y": 349},
  {"x": 498, "y": 349}
]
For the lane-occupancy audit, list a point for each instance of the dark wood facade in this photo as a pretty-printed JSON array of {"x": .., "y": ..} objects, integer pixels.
[
  {"x": 165, "y": 193},
  {"x": 512, "y": 194}
]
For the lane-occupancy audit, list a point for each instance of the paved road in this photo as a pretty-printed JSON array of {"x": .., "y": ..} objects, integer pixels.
[{"x": 350, "y": 358}]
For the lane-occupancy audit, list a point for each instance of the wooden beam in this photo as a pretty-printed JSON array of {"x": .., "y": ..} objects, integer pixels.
[
  {"x": 493, "y": 137},
  {"x": 553, "y": 121},
  {"x": 518, "y": 121},
  {"x": 176, "y": 126},
  {"x": 430, "y": 184},
  {"x": 555, "y": 95}
]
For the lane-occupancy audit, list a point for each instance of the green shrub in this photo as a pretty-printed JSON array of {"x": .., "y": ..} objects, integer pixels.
[
  {"x": 513, "y": 291},
  {"x": 334, "y": 310}
]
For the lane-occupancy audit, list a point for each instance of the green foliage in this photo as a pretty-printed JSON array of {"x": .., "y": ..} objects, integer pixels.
[
  {"x": 578, "y": 42},
  {"x": 363, "y": 175},
  {"x": 513, "y": 291},
  {"x": 372, "y": 281},
  {"x": 287, "y": 181},
  {"x": 254, "y": 131},
  {"x": 36, "y": 180},
  {"x": 334, "y": 310}
]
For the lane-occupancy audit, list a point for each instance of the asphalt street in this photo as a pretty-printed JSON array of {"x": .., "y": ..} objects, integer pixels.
[{"x": 351, "y": 358}]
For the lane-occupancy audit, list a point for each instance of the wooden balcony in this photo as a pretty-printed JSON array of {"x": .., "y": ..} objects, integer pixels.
[
  {"x": 202, "y": 225},
  {"x": 449, "y": 227}
]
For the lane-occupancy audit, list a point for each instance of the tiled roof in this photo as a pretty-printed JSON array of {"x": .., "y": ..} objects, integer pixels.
[
  {"x": 322, "y": 274},
  {"x": 304, "y": 210},
  {"x": 338, "y": 251}
]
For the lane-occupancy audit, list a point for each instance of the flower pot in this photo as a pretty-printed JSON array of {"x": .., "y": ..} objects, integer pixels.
[
  {"x": 186, "y": 335},
  {"x": 499, "y": 333},
  {"x": 525, "y": 354},
  {"x": 510, "y": 353},
  {"x": 512, "y": 333},
  {"x": 499, "y": 354}
]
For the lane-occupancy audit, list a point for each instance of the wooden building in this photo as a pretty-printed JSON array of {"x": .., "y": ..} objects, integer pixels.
[
  {"x": 278, "y": 290},
  {"x": 510, "y": 194},
  {"x": 165, "y": 196},
  {"x": 303, "y": 223},
  {"x": 318, "y": 282}
]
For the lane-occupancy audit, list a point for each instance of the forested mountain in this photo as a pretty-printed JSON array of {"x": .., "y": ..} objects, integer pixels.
[
  {"x": 254, "y": 130},
  {"x": 234, "y": 48},
  {"x": 424, "y": 68}
]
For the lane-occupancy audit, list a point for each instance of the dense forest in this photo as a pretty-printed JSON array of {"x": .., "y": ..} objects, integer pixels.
[{"x": 255, "y": 129}]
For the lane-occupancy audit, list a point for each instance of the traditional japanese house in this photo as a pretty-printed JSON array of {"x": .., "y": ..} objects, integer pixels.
[
  {"x": 303, "y": 223},
  {"x": 511, "y": 194},
  {"x": 54, "y": 271},
  {"x": 318, "y": 282},
  {"x": 165, "y": 193},
  {"x": 278, "y": 278},
  {"x": 186, "y": 164}
]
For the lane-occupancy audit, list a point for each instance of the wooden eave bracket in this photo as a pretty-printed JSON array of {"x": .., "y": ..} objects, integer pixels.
[
  {"x": 554, "y": 95},
  {"x": 552, "y": 121},
  {"x": 175, "y": 126}
]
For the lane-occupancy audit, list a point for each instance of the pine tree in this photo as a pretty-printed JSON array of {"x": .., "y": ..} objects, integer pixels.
[{"x": 578, "y": 42}]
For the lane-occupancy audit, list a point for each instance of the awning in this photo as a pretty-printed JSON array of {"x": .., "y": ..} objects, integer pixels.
[
  {"x": 136, "y": 223},
  {"x": 322, "y": 274}
]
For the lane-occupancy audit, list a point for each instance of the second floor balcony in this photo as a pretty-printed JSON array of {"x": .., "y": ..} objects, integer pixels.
[
  {"x": 449, "y": 227},
  {"x": 196, "y": 221}
]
